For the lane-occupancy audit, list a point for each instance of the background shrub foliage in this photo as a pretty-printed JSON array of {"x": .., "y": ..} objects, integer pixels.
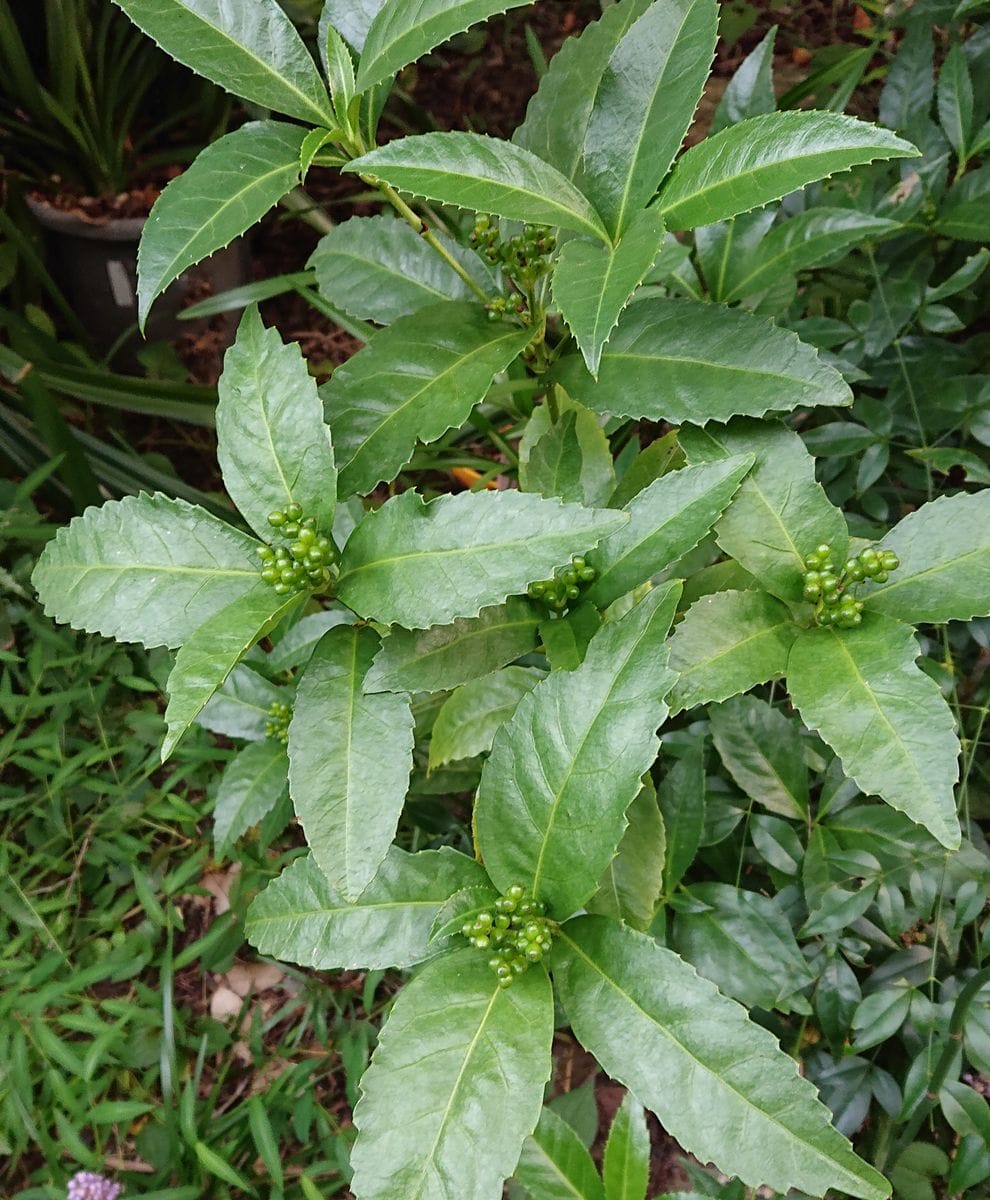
[{"x": 633, "y": 332}]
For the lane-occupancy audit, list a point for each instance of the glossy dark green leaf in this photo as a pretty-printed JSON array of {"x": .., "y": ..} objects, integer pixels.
[
  {"x": 885, "y": 718},
  {"x": 764, "y": 753},
  {"x": 749, "y": 92},
  {"x": 571, "y": 459},
  {"x": 626, "y": 1163},
  {"x": 550, "y": 811},
  {"x": 554, "y": 1164},
  {"x": 682, "y": 360},
  {"x": 767, "y": 157},
  {"x": 240, "y": 707},
  {"x": 909, "y": 88},
  {"x": 456, "y": 1049},
  {"x": 682, "y": 806},
  {"x": 483, "y": 174},
  {"x": 955, "y": 100},
  {"x": 720, "y": 1084},
  {"x": 965, "y": 212},
  {"x": 644, "y": 104},
  {"x": 471, "y": 716},
  {"x": 250, "y": 787},
  {"x": 414, "y": 564},
  {"x": 416, "y": 379},
  {"x": 565, "y": 640},
  {"x": 300, "y": 918},
  {"x": 350, "y": 757},
  {"x": 630, "y": 888},
  {"x": 145, "y": 569}
]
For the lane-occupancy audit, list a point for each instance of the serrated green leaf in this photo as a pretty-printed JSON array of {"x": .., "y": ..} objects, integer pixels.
[
  {"x": 211, "y": 653},
  {"x": 407, "y": 29},
  {"x": 250, "y": 787},
  {"x": 885, "y": 718},
  {"x": 749, "y": 92},
  {"x": 271, "y": 441},
  {"x": 338, "y": 65},
  {"x": 240, "y": 707},
  {"x": 727, "y": 643},
  {"x": 630, "y": 888},
  {"x": 682, "y": 806},
  {"x": 294, "y": 648},
  {"x": 644, "y": 105},
  {"x": 252, "y": 50},
  {"x": 682, "y": 360},
  {"x": 462, "y": 907},
  {"x": 456, "y": 1048},
  {"x": 955, "y": 100},
  {"x": 626, "y": 1164},
  {"x": 350, "y": 756},
  {"x": 550, "y": 811},
  {"x": 571, "y": 459},
  {"x": 763, "y": 752},
  {"x": 416, "y": 379},
  {"x": 720, "y": 1084},
  {"x": 444, "y": 656},
  {"x": 593, "y": 283},
  {"x": 944, "y": 549},
  {"x": 379, "y": 269},
  {"x": 352, "y": 19},
  {"x": 554, "y": 1165},
  {"x": 415, "y": 564},
  {"x": 483, "y": 174},
  {"x": 145, "y": 569},
  {"x": 780, "y": 512},
  {"x": 228, "y": 187},
  {"x": 471, "y": 716},
  {"x": 767, "y": 157},
  {"x": 666, "y": 520},
  {"x": 300, "y": 918}
]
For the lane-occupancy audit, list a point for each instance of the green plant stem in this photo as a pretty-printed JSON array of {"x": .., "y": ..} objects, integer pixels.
[
  {"x": 483, "y": 425},
  {"x": 553, "y": 405},
  {"x": 299, "y": 201}
]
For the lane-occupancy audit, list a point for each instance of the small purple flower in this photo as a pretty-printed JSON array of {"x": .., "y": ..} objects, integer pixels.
[{"x": 87, "y": 1185}]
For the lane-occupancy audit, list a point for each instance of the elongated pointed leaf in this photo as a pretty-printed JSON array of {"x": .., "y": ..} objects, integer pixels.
[
  {"x": 240, "y": 707},
  {"x": 645, "y": 102},
  {"x": 630, "y": 888},
  {"x": 209, "y": 656},
  {"x": 681, "y": 360},
  {"x": 229, "y": 186},
  {"x": 407, "y": 29},
  {"x": 763, "y": 751},
  {"x": 964, "y": 212},
  {"x": 955, "y": 100},
  {"x": 720, "y": 1084},
  {"x": 352, "y": 19},
  {"x": 250, "y": 787},
  {"x": 666, "y": 520},
  {"x": 682, "y": 806},
  {"x": 762, "y": 159},
  {"x": 593, "y": 283},
  {"x": 780, "y": 512},
  {"x": 444, "y": 656},
  {"x": 626, "y": 1165},
  {"x": 456, "y": 1048},
  {"x": 379, "y": 269},
  {"x": 885, "y": 718},
  {"x": 416, "y": 564},
  {"x": 416, "y": 379},
  {"x": 554, "y": 1164},
  {"x": 468, "y": 721},
  {"x": 145, "y": 569},
  {"x": 300, "y": 918},
  {"x": 750, "y": 90},
  {"x": 571, "y": 459},
  {"x": 944, "y": 548},
  {"x": 252, "y": 50},
  {"x": 338, "y": 65},
  {"x": 483, "y": 174},
  {"x": 350, "y": 757},
  {"x": 271, "y": 441},
  {"x": 551, "y": 805},
  {"x": 728, "y": 643}
]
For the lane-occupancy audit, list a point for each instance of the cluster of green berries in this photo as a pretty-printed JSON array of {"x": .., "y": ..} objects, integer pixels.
[
  {"x": 832, "y": 591},
  {"x": 277, "y": 725},
  {"x": 565, "y": 587},
  {"x": 305, "y": 562},
  {"x": 523, "y": 260},
  {"x": 518, "y": 931}
]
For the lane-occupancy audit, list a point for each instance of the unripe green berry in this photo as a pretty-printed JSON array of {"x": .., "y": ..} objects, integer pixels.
[
  {"x": 293, "y": 511},
  {"x": 276, "y": 518}
]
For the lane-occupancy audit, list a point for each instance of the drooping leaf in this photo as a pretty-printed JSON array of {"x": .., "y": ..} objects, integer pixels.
[
  {"x": 727, "y": 643},
  {"x": 350, "y": 757},
  {"x": 415, "y": 564},
  {"x": 767, "y": 157},
  {"x": 240, "y": 707},
  {"x": 379, "y": 269},
  {"x": 682, "y": 360},
  {"x": 229, "y": 186},
  {"x": 250, "y": 787},
  {"x": 749, "y": 92},
  {"x": 666, "y": 520},
  {"x": 571, "y": 459},
  {"x": 944, "y": 550},
  {"x": 764, "y": 753},
  {"x": 682, "y": 806},
  {"x": 644, "y": 105},
  {"x": 415, "y": 380},
  {"x": 252, "y": 50},
  {"x": 554, "y": 1164},
  {"x": 300, "y": 918},
  {"x": 145, "y": 569},
  {"x": 885, "y": 718},
  {"x": 456, "y": 1048},
  {"x": 780, "y": 512},
  {"x": 469, "y": 719},
  {"x": 593, "y": 283},
  {"x": 551, "y": 805},
  {"x": 720, "y": 1084},
  {"x": 483, "y": 174},
  {"x": 407, "y": 29},
  {"x": 630, "y": 888},
  {"x": 445, "y": 656},
  {"x": 271, "y": 441}
]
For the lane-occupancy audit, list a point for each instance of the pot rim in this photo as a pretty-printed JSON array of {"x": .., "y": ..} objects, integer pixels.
[{"x": 111, "y": 229}]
